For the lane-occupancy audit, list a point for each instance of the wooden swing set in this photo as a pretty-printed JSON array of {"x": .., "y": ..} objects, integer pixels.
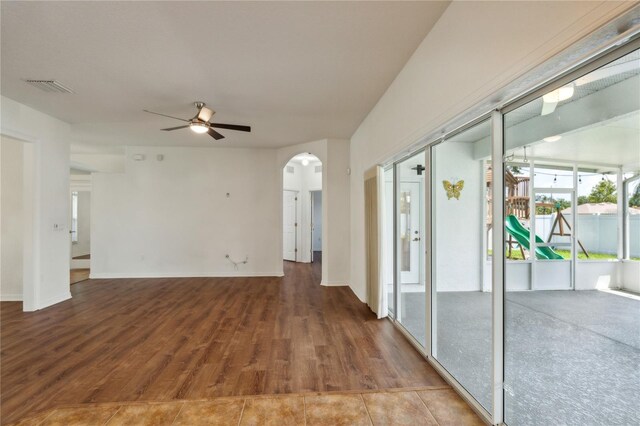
[
  {"x": 560, "y": 222},
  {"x": 517, "y": 204}
]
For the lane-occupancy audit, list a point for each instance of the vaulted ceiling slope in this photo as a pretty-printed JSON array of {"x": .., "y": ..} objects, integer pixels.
[{"x": 294, "y": 71}]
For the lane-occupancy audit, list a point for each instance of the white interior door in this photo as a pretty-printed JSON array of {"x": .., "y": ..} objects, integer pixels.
[
  {"x": 411, "y": 232},
  {"x": 289, "y": 225}
]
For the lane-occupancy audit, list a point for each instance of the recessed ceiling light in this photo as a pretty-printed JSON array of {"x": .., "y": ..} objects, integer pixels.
[
  {"x": 551, "y": 99},
  {"x": 305, "y": 162},
  {"x": 559, "y": 95},
  {"x": 555, "y": 138}
]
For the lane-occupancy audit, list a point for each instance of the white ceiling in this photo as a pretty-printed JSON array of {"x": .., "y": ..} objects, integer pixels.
[
  {"x": 294, "y": 71},
  {"x": 615, "y": 142}
]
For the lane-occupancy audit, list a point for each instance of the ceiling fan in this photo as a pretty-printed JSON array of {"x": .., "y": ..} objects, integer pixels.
[{"x": 200, "y": 122}]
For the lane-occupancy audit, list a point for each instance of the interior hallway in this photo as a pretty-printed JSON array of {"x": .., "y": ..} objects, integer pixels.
[{"x": 191, "y": 338}]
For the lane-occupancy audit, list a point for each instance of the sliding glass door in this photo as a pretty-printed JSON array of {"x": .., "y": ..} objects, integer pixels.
[
  {"x": 461, "y": 274},
  {"x": 410, "y": 243},
  {"x": 572, "y": 339},
  {"x": 511, "y": 251}
]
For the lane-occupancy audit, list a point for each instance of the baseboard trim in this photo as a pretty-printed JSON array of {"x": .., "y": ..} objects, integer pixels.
[
  {"x": 54, "y": 300},
  {"x": 239, "y": 274},
  {"x": 11, "y": 297},
  {"x": 333, "y": 283}
]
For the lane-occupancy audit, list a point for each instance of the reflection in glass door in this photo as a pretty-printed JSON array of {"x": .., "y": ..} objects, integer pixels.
[{"x": 410, "y": 208}]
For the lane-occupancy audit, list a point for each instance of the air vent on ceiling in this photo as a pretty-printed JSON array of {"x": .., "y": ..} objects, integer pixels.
[
  {"x": 290, "y": 169},
  {"x": 318, "y": 169},
  {"x": 50, "y": 86}
]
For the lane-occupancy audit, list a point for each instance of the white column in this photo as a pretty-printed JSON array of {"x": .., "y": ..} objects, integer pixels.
[
  {"x": 497, "y": 265},
  {"x": 620, "y": 214}
]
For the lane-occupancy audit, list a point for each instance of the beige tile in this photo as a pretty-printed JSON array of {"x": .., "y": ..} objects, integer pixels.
[
  {"x": 449, "y": 409},
  {"x": 336, "y": 410},
  {"x": 216, "y": 412},
  {"x": 273, "y": 411},
  {"x": 146, "y": 414},
  {"x": 80, "y": 416},
  {"x": 397, "y": 408}
]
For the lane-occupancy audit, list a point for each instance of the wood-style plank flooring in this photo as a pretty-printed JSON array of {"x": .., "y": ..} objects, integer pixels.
[
  {"x": 77, "y": 275},
  {"x": 188, "y": 338}
]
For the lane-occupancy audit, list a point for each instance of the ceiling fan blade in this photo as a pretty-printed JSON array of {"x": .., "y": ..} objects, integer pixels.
[
  {"x": 205, "y": 114},
  {"x": 165, "y": 115},
  {"x": 215, "y": 134},
  {"x": 176, "y": 128},
  {"x": 231, "y": 127}
]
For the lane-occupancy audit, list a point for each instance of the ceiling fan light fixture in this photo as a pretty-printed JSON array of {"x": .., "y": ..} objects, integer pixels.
[
  {"x": 305, "y": 162},
  {"x": 199, "y": 127}
]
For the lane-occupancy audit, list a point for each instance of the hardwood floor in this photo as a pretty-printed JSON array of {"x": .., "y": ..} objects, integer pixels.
[
  {"x": 77, "y": 275},
  {"x": 188, "y": 338}
]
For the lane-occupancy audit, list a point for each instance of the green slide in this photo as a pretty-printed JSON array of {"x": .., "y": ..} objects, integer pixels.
[{"x": 521, "y": 235}]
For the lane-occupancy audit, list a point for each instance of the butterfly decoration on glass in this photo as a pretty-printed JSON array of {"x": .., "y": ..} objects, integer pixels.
[{"x": 453, "y": 189}]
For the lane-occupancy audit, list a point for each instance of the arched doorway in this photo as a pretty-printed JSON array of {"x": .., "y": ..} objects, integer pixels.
[{"x": 302, "y": 218}]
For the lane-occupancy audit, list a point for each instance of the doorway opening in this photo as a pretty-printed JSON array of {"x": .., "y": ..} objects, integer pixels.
[
  {"x": 302, "y": 209},
  {"x": 80, "y": 225}
]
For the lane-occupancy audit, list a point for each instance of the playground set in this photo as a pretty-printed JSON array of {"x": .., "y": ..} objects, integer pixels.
[{"x": 517, "y": 202}]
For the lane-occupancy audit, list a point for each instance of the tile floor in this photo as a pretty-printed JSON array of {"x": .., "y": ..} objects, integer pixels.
[{"x": 420, "y": 406}]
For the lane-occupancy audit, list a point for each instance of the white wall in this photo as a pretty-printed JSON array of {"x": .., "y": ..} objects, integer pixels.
[
  {"x": 630, "y": 275},
  {"x": 317, "y": 221},
  {"x": 83, "y": 246},
  {"x": 474, "y": 49},
  {"x": 458, "y": 226},
  {"x": 336, "y": 201},
  {"x": 303, "y": 180},
  {"x": 110, "y": 163},
  {"x": 11, "y": 219},
  {"x": 334, "y": 155},
  {"x": 173, "y": 217},
  {"x": 46, "y": 267}
]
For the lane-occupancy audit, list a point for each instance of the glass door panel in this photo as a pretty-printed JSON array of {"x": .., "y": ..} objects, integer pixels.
[
  {"x": 410, "y": 210},
  {"x": 571, "y": 357},
  {"x": 461, "y": 272}
]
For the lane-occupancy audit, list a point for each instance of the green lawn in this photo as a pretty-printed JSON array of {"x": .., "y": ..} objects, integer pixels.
[{"x": 516, "y": 255}]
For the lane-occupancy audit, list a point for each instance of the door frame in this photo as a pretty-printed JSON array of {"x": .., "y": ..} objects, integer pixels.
[
  {"x": 572, "y": 240},
  {"x": 295, "y": 226},
  {"x": 312, "y": 221}
]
